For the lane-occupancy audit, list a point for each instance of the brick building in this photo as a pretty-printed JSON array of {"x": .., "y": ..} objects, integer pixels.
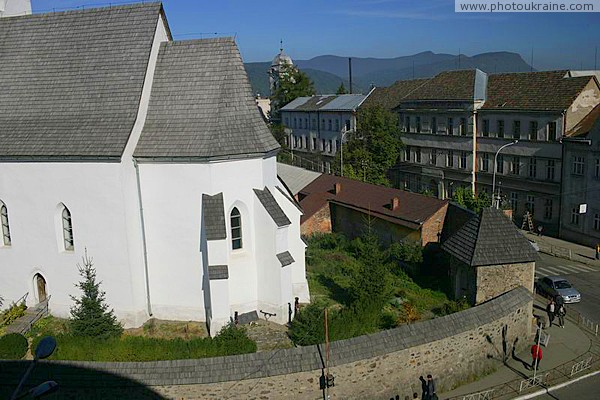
[{"x": 343, "y": 205}]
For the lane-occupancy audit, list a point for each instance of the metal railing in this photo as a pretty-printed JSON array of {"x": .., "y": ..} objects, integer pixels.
[
  {"x": 554, "y": 250},
  {"x": 485, "y": 395}
]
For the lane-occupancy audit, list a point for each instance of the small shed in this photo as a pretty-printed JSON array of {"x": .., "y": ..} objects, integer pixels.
[{"x": 490, "y": 257}]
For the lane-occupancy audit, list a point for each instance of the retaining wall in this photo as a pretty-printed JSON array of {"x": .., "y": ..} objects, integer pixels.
[{"x": 454, "y": 349}]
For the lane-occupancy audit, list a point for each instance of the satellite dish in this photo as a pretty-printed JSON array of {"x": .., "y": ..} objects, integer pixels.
[
  {"x": 45, "y": 348},
  {"x": 43, "y": 389}
]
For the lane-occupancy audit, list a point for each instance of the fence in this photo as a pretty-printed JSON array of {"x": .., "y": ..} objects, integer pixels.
[
  {"x": 554, "y": 250},
  {"x": 584, "y": 322}
]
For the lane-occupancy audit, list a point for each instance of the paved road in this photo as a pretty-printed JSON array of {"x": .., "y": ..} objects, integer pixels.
[
  {"x": 584, "y": 278},
  {"x": 586, "y": 389}
]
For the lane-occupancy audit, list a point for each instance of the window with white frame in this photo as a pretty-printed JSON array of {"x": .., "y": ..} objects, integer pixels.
[
  {"x": 337, "y": 125},
  {"x": 550, "y": 170},
  {"x": 500, "y": 164},
  {"x": 578, "y": 163},
  {"x": 407, "y": 153},
  {"x": 530, "y": 205},
  {"x": 516, "y": 129},
  {"x": 552, "y": 131},
  {"x": 485, "y": 162},
  {"x": 433, "y": 125},
  {"x": 515, "y": 165},
  {"x": 463, "y": 126},
  {"x": 433, "y": 158},
  {"x": 463, "y": 160},
  {"x": 67, "y": 225},
  {"x": 407, "y": 124},
  {"x": 418, "y": 123},
  {"x": 450, "y": 126},
  {"x": 597, "y": 221},
  {"x": 417, "y": 154},
  {"x": 548, "y": 209},
  {"x": 450, "y": 159},
  {"x": 236, "y": 229},
  {"x": 575, "y": 215},
  {"x": 485, "y": 131},
  {"x": 500, "y": 128},
  {"x": 5, "y": 226},
  {"x": 532, "y": 167},
  {"x": 533, "y": 130}
]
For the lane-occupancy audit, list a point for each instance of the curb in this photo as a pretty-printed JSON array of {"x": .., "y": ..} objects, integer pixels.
[{"x": 559, "y": 386}]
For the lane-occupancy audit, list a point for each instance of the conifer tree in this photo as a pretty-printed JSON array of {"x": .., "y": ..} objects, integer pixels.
[
  {"x": 342, "y": 89},
  {"x": 90, "y": 315}
]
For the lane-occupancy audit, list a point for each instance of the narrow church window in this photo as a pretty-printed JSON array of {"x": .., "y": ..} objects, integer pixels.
[
  {"x": 5, "y": 226},
  {"x": 236, "y": 229},
  {"x": 67, "y": 229}
]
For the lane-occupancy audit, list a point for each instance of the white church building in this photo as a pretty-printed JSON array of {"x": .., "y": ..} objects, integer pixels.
[{"x": 149, "y": 153}]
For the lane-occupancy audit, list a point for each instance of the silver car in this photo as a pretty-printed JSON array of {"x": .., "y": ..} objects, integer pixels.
[{"x": 552, "y": 286}]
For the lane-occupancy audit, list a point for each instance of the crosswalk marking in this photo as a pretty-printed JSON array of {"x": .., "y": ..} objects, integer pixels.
[{"x": 561, "y": 270}]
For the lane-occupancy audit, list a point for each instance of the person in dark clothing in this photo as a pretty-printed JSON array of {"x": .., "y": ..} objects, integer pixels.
[
  {"x": 423, "y": 388},
  {"x": 551, "y": 310},
  {"x": 431, "y": 395},
  {"x": 561, "y": 312}
]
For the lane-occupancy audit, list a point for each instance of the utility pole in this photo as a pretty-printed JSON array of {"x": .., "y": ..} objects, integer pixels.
[
  {"x": 326, "y": 355},
  {"x": 350, "y": 72}
]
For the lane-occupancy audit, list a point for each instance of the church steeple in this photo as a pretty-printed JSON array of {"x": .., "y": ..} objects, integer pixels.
[
  {"x": 275, "y": 68},
  {"x": 11, "y": 8}
]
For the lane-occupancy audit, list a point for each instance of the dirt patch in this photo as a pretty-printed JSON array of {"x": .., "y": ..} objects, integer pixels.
[{"x": 157, "y": 328}]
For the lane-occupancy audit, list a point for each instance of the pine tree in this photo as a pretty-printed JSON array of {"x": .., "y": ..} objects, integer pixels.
[
  {"x": 342, "y": 89},
  {"x": 90, "y": 315}
]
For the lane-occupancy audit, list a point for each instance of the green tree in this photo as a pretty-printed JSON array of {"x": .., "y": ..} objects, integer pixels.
[
  {"x": 292, "y": 84},
  {"x": 342, "y": 89},
  {"x": 466, "y": 198},
  {"x": 371, "y": 150},
  {"x": 90, "y": 315}
]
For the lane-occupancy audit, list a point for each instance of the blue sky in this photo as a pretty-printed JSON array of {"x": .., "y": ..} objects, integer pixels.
[{"x": 378, "y": 28}]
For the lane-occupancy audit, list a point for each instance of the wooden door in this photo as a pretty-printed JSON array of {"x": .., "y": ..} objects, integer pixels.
[{"x": 41, "y": 287}]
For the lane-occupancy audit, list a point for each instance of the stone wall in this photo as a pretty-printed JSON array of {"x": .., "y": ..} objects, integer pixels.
[
  {"x": 454, "y": 349},
  {"x": 497, "y": 279}
]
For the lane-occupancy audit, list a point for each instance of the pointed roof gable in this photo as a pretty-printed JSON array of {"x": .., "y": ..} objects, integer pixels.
[
  {"x": 201, "y": 105},
  {"x": 71, "y": 81},
  {"x": 489, "y": 239}
]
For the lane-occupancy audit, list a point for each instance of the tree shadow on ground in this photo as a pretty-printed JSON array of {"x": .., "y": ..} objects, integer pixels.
[
  {"x": 74, "y": 382},
  {"x": 337, "y": 292}
]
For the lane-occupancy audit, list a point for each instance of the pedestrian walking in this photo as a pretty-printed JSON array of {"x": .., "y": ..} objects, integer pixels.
[
  {"x": 431, "y": 395},
  {"x": 551, "y": 310},
  {"x": 540, "y": 230},
  {"x": 598, "y": 251},
  {"x": 424, "y": 395},
  {"x": 562, "y": 311},
  {"x": 536, "y": 356}
]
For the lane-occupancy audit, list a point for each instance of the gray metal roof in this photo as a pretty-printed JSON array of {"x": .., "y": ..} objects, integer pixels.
[
  {"x": 213, "y": 212},
  {"x": 295, "y": 178},
  {"x": 328, "y": 102},
  {"x": 270, "y": 204},
  {"x": 70, "y": 82},
  {"x": 489, "y": 238},
  {"x": 201, "y": 106},
  {"x": 285, "y": 258}
]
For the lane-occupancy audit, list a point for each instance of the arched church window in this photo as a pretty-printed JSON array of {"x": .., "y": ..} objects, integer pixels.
[
  {"x": 236, "y": 229},
  {"x": 67, "y": 224},
  {"x": 4, "y": 222}
]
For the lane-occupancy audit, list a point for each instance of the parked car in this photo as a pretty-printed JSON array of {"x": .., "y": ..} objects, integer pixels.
[{"x": 552, "y": 286}]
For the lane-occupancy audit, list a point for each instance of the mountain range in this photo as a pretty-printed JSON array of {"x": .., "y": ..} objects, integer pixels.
[{"x": 328, "y": 71}]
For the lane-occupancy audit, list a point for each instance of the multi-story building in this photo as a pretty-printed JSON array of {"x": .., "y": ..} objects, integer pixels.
[
  {"x": 457, "y": 122},
  {"x": 316, "y": 126},
  {"x": 580, "y": 216}
]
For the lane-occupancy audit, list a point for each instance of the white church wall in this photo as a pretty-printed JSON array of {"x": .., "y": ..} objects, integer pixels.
[{"x": 92, "y": 192}]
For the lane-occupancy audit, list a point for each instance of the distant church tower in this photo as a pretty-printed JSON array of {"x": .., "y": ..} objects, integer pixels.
[
  {"x": 9, "y": 8},
  {"x": 275, "y": 68}
]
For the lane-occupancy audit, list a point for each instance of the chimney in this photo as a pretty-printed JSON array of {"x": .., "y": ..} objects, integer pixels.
[
  {"x": 395, "y": 203},
  {"x": 337, "y": 188}
]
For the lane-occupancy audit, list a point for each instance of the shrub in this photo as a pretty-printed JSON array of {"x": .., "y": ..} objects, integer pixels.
[
  {"x": 13, "y": 346},
  {"x": 90, "y": 315},
  {"x": 451, "y": 307},
  {"x": 14, "y": 312}
]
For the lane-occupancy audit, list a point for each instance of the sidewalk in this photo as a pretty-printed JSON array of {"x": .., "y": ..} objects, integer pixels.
[
  {"x": 565, "y": 345},
  {"x": 564, "y": 249}
]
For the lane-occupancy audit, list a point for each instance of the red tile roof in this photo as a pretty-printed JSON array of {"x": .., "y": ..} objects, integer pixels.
[{"x": 413, "y": 210}]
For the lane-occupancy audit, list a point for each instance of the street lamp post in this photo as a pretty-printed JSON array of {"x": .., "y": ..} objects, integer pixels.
[
  {"x": 344, "y": 131},
  {"x": 496, "y": 201}
]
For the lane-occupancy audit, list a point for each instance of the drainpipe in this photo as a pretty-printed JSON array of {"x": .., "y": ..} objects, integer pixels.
[
  {"x": 562, "y": 168},
  {"x": 145, "y": 248},
  {"x": 474, "y": 187}
]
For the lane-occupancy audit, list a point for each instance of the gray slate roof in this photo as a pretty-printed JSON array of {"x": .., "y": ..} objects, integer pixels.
[
  {"x": 489, "y": 238},
  {"x": 70, "y": 82},
  {"x": 295, "y": 178},
  {"x": 213, "y": 212},
  {"x": 270, "y": 204},
  {"x": 218, "y": 272},
  {"x": 285, "y": 258},
  {"x": 201, "y": 106}
]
